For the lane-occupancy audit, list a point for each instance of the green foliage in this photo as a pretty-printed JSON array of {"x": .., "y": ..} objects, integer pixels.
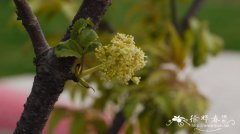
[
  {"x": 205, "y": 42},
  {"x": 100, "y": 125},
  {"x": 56, "y": 117},
  {"x": 51, "y": 8},
  {"x": 129, "y": 129},
  {"x": 78, "y": 123},
  {"x": 130, "y": 107},
  {"x": 82, "y": 39},
  {"x": 69, "y": 48}
]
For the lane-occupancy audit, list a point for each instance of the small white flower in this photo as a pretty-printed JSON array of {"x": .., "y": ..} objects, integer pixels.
[{"x": 177, "y": 119}]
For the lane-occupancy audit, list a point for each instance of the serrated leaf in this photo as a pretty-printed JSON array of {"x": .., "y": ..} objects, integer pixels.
[
  {"x": 56, "y": 117},
  {"x": 84, "y": 35},
  {"x": 79, "y": 26},
  {"x": 68, "y": 49}
]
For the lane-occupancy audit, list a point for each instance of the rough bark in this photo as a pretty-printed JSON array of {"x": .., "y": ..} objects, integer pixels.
[{"x": 51, "y": 72}]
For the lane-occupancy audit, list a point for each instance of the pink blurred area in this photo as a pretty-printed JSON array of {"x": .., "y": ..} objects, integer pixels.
[{"x": 11, "y": 107}]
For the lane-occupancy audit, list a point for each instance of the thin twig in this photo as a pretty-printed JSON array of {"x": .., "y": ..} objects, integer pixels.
[
  {"x": 117, "y": 123},
  {"x": 194, "y": 8},
  {"x": 173, "y": 7}
]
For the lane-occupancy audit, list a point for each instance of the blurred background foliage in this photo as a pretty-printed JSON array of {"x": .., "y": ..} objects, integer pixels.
[{"x": 163, "y": 91}]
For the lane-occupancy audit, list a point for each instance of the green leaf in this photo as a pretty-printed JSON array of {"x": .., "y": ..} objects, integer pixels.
[
  {"x": 200, "y": 48},
  {"x": 143, "y": 123},
  {"x": 93, "y": 45},
  {"x": 178, "y": 51},
  {"x": 213, "y": 42},
  {"x": 131, "y": 106},
  {"x": 129, "y": 129},
  {"x": 78, "y": 124},
  {"x": 87, "y": 36},
  {"x": 78, "y": 26},
  {"x": 57, "y": 115},
  {"x": 84, "y": 35},
  {"x": 100, "y": 125},
  {"x": 69, "y": 48},
  {"x": 155, "y": 123},
  {"x": 216, "y": 46},
  {"x": 163, "y": 104}
]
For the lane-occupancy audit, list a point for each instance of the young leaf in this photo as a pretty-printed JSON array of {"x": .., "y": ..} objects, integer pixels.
[
  {"x": 69, "y": 48},
  {"x": 200, "y": 49},
  {"x": 78, "y": 27},
  {"x": 86, "y": 37},
  {"x": 92, "y": 46}
]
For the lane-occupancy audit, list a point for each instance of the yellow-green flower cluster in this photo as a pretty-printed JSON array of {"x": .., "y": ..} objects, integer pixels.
[{"x": 121, "y": 59}]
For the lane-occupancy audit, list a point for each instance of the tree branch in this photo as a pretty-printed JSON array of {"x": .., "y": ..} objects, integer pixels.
[
  {"x": 93, "y": 9},
  {"x": 190, "y": 13},
  {"x": 105, "y": 26},
  {"x": 32, "y": 26},
  {"x": 173, "y": 7},
  {"x": 52, "y": 72},
  {"x": 117, "y": 123}
]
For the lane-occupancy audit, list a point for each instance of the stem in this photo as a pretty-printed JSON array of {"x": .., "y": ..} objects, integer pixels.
[
  {"x": 89, "y": 71},
  {"x": 173, "y": 7},
  {"x": 190, "y": 13},
  {"x": 117, "y": 123}
]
